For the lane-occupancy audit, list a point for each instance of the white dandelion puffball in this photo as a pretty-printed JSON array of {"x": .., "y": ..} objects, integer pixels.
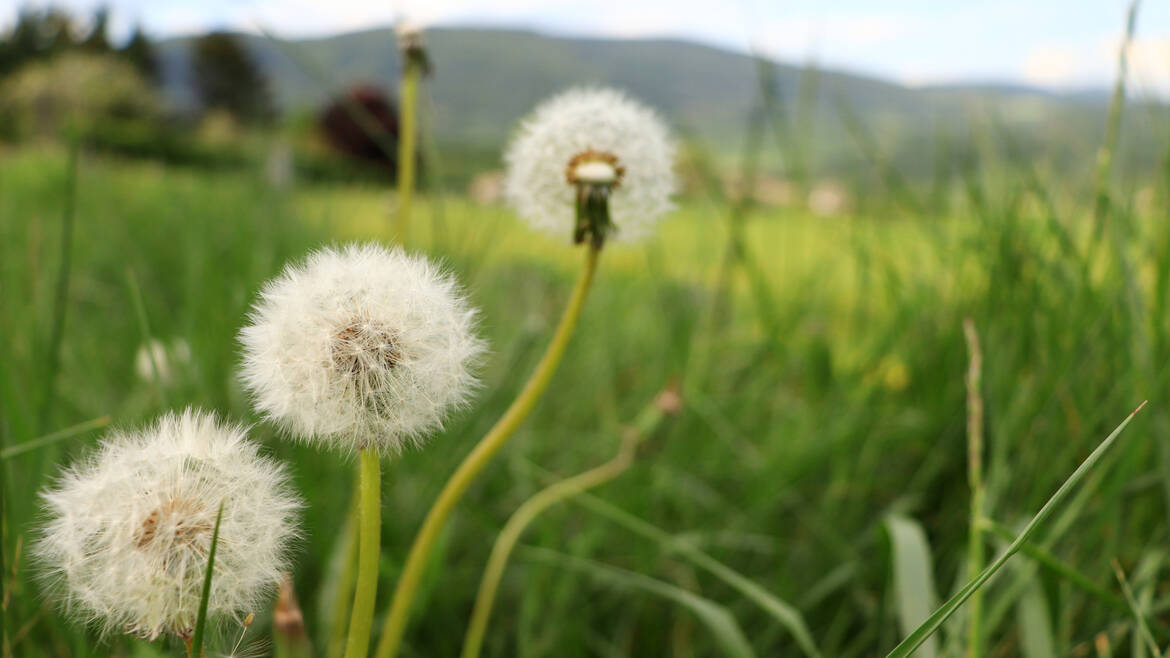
[
  {"x": 360, "y": 347},
  {"x": 592, "y": 136},
  {"x": 129, "y": 528}
]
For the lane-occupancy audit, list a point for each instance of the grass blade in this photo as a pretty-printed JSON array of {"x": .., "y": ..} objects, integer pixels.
[
  {"x": 715, "y": 617},
  {"x": 5, "y": 650},
  {"x": 787, "y": 615},
  {"x": 195, "y": 648},
  {"x": 59, "y": 435},
  {"x": 913, "y": 580},
  {"x": 920, "y": 635},
  {"x": 1035, "y": 626},
  {"x": 975, "y": 480},
  {"x": 1101, "y": 205},
  {"x": 61, "y": 297},
  {"x": 1139, "y": 618},
  {"x": 1056, "y": 566}
]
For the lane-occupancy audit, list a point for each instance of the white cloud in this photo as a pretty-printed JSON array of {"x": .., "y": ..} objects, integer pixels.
[
  {"x": 1052, "y": 65},
  {"x": 1066, "y": 66}
]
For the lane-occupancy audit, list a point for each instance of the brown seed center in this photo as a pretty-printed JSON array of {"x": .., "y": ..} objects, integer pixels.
[
  {"x": 176, "y": 522},
  {"x": 363, "y": 346}
]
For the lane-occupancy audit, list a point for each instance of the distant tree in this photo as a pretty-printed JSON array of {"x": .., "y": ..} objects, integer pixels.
[
  {"x": 226, "y": 78},
  {"x": 362, "y": 123},
  {"x": 139, "y": 51},
  {"x": 76, "y": 90},
  {"x": 37, "y": 34},
  {"x": 97, "y": 41}
]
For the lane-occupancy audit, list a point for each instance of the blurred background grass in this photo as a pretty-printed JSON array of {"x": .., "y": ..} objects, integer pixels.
[{"x": 821, "y": 360}]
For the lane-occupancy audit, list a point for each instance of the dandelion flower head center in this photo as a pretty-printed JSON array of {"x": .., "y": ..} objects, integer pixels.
[
  {"x": 179, "y": 524},
  {"x": 593, "y": 167},
  {"x": 363, "y": 348}
]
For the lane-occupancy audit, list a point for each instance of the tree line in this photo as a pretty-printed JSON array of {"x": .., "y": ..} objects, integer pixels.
[{"x": 225, "y": 76}]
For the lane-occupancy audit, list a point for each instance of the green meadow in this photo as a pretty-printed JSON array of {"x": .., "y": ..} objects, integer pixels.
[{"x": 812, "y": 495}]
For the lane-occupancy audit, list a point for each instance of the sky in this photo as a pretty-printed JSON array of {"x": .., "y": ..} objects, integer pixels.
[{"x": 1058, "y": 44}]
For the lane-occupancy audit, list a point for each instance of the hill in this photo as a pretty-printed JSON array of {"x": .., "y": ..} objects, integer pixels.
[{"x": 485, "y": 79}]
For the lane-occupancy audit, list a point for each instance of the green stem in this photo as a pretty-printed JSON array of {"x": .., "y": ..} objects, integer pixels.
[
  {"x": 516, "y": 525},
  {"x": 975, "y": 478},
  {"x": 344, "y": 583},
  {"x": 479, "y": 457},
  {"x": 534, "y": 507},
  {"x": 411, "y": 72},
  {"x": 361, "y": 622}
]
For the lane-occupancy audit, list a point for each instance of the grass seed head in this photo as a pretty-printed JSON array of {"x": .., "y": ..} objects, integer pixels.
[
  {"x": 128, "y": 531},
  {"x": 360, "y": 347}
]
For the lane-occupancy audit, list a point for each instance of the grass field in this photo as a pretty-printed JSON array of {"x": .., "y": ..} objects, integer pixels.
[{"x": 823, "y": 438}]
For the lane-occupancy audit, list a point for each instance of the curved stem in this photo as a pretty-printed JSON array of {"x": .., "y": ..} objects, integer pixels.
[
  {"x": 361, "y": 622},
  {"x": 479, "y": 457},
  {"x": 406, "y": 148},
  {"x": 516, "y": 525}
]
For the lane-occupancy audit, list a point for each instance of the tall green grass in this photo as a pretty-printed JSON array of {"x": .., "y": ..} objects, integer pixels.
[{"x": 824, "y": 407}]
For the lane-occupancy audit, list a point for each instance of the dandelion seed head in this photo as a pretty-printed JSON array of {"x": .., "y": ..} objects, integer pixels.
[
  {"x": 128, "y": 529},
  {"x": 591, "y": 135},
  {"x": 360, "y": 347},
  {"x": 407, "y": 30}
]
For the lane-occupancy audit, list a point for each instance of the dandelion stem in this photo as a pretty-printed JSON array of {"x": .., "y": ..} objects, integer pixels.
[
  {"x": 559, "y": 492},
  {"x": 479, "y": 457},
  {"x": 411, "y": 72},
  {"x": 344, "y": 583},
  {"x": 361, "y": 622}
]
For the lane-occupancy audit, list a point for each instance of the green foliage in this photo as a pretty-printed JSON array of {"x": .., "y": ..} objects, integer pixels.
[
  {"x": 76, "y": 93},
  {"x": 42, "y": 34},
  {"x": 913, "y": 578},
  {"x": 36, "y": 35},
  {"x": 140, "y": 52},
  {"x": 813, "y": 412}
]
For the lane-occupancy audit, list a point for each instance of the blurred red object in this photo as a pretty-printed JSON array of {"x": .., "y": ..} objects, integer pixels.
[{"x": 362, "y": 123}]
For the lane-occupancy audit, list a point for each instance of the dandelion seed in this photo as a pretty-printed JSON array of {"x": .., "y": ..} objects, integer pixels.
[
  {"x": 592, "y": 137},
  {"x": 245, "y": 625},
  {"x": 360, "y": 347},
  {"x": 129, "y": 529}
]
